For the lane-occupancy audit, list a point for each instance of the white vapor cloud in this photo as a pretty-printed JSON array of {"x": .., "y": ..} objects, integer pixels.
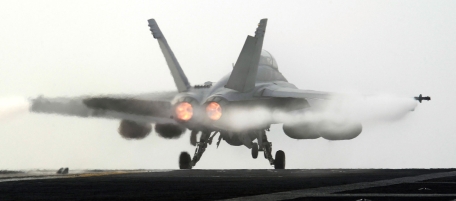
[
  {"x": 381, "y": 108},
  {"x": 12, "y": 106}
]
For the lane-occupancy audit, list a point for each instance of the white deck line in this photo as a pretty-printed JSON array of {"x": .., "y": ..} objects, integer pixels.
[
  {"x": 33, "y": 178},
  {"x": 75, "y": 174}
]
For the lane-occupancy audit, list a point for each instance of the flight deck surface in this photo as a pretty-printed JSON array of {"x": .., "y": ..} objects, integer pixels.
[{"x": 324, "y": 184}]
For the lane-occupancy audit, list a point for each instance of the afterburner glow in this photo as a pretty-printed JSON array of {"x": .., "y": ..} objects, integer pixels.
[
  {"x": 184, "y": 111},
  {"x": 214, "y": 111}
]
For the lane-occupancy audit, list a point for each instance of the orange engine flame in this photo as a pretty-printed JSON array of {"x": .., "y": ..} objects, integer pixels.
[
  {"x": 184, "y": 111},
  {"x": 214, "y": 111}
]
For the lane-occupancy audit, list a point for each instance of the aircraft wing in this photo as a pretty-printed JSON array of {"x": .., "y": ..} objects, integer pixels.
[{"x": 145, "y": 108}]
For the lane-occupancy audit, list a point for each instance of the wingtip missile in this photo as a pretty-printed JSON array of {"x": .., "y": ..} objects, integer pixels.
[{"x": 420, "y": 98}]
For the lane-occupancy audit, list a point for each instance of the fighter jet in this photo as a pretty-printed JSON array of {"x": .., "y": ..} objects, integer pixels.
[{"x": 213, "y": 108}]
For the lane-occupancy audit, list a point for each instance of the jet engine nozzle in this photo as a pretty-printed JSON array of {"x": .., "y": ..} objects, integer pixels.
[
  {"x": 216, "y": 108},
  {"x": 420, "y": 98},
  {"x": 214, "y": 111},
  {"x": 184, "y": 111}
]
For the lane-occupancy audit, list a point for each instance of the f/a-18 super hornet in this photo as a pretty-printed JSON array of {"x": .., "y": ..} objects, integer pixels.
[{"x": 226, "y": 108}]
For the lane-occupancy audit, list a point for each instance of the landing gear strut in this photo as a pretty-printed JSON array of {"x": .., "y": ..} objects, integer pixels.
[
  {"x": 184, "y": 159},
  {"x": 206, "y": 138},
  {"x": 201, "y": 147},
  {"x": 266, "y": 147},
  {"x": 193, "y": 137}
]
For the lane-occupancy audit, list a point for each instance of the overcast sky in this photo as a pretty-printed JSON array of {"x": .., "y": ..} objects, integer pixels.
[{"x": 73, "y": 48}]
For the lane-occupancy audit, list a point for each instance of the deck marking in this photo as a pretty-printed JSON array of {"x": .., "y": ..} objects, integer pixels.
[
  {"x": 69, "y": 176},
  {"x": 328, "y": 190}
]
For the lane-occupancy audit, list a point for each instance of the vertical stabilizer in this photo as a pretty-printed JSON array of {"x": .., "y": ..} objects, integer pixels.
[
  {"x": 179, "y": 77},
  {"x": 242, "y": 77}
]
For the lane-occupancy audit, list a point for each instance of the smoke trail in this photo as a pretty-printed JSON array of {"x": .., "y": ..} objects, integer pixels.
[{"x": 11, "y": 106}]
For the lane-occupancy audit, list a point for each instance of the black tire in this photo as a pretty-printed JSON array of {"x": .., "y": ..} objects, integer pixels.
[
  {"x": 254, "y": 150},
  {"x": 279, "y": 161},
  {"x": 185, "y": 161}
]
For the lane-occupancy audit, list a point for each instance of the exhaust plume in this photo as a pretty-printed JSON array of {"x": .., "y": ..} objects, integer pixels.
[{"x": 11, "y": 106}]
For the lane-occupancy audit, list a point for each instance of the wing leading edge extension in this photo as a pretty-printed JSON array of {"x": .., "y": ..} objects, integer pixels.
[{"x": 242, "y": 77}]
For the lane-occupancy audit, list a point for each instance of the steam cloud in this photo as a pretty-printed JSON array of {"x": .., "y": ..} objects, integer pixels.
[
  {"x": 351, "y": 108},
  {"x": 11, "y": 106}
]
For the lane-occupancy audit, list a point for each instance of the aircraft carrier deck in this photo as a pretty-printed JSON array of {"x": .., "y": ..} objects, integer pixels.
[{"x": 325, "y": 184}]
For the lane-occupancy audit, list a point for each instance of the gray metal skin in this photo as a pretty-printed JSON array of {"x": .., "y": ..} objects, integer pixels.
[
  {"x": 243, "y": 86},
  {"x": 180, "y": 79},
  {"x": 254, "y": 81}
]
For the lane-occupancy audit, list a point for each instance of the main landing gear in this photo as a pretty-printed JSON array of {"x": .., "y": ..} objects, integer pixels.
[
  {"x": 185, "y": 161},
  {"x": 255, "y": 150},
  {"x": 266, "y": 147}
]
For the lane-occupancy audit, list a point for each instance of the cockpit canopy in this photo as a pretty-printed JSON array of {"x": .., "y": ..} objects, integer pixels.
[
  {"x": 267, "y": 69},
  {"x": 267, "y": 59}
]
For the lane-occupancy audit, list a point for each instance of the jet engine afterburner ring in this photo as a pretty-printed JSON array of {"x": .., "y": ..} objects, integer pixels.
[
  {"x": 214, "y": 111},
  {"x": 185, "y": 109},
  {"x": 215, "y": 108}
]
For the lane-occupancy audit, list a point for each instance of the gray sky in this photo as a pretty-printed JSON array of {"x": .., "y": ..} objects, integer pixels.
[{"x": 73, "y": 48}]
